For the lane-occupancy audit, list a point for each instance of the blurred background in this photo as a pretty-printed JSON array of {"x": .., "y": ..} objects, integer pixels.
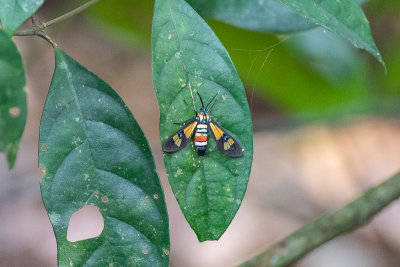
[{"x": 326, "y": 127}]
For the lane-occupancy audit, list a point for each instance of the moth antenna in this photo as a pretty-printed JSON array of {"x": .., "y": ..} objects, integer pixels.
[
  {"x": 213, "y": 100},
  {"x": 202, "y": 104}
]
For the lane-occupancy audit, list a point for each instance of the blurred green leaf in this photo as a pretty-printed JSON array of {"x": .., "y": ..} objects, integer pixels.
[
  {"x": 185, "y": 51},
  {"x": 391, "y": 81},
  {"x": 12, "y": 98},
  {"x": 298, "y": 76},
  {"x": 327, "y": 54},
  {"x": 387, "y": 6},
  {"x": 344, "y": 17},
  {"x": 264, "y": 16},
  {"x": 271, "y": 68},
  {"x": 14, "y": 12},
  {"x": 93, "y": 152},
  {"x": 129, "y": 20},
  {"x": 388, "y": 84},
  {"x": 387, "y": 21}
]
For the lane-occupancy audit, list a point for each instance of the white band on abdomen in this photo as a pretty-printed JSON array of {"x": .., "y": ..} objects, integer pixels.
[{"x": 200, "y": 143}]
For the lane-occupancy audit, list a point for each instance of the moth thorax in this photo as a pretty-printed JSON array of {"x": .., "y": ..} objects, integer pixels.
[{"x": 200, "y": 116}]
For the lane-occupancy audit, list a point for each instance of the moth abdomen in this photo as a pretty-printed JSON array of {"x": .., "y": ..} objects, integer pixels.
[{"x": 200, "y": 139}]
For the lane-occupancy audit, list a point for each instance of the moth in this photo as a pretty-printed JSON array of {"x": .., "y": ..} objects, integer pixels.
[{"x": 201, "y": 124}]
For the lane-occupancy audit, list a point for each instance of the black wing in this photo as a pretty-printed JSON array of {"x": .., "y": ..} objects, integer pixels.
[
  {"x": 225, "y": 143},
  {"x": 180, "y": 139}
]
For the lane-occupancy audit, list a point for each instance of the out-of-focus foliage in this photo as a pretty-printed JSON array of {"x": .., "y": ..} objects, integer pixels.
[
  {"x": 14, "y": 12},
  {"x": 313, "y": 72},
  {"x": 129, "y": 20},
  {"x": 263, "y": 16},
  {"x": 284, "y": 72},
  {"x": 12, "y": 98},
  {"x": 388, "y": 24},
  {"x": 344, "y": 17}
]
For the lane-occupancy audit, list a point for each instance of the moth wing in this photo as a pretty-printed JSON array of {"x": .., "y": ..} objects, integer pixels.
[
  {"x": 180, "y": 139},
  {"x": 225, "y": 142}
]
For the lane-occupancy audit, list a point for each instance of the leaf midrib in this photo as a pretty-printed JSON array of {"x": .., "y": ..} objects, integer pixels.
[
  {"x": 83, "y": 120},
  {"x": 188, "y": 72}
]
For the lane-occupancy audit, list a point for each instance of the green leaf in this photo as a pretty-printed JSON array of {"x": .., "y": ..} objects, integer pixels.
[
  {"x": 12, "y": 98},
  {"x": 264, "y": 16},
  {"x": 14, "y": 12},
  {"x": 326, "y": 53},
  {"x": 344, "y": 17},
  {"x": 265, "y": 63},
  {"x": 130, "y": 20},
  {"x": 93, "y": 152},
  {"x": 185, "y": 51}
]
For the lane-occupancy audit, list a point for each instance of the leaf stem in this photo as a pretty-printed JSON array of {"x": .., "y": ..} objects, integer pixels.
[
  {"x": 352, "y": 216},
  {"x": 37, "y": 28},
  {"x": 44, "y": 36}
]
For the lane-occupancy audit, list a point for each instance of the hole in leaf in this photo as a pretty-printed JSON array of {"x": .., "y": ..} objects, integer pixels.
[
  {"x": 14, "y": 111},
  {"x": 85, "y": 223}
]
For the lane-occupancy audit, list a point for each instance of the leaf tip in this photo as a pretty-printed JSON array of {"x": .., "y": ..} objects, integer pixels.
[{"x": 11, "y": 154}]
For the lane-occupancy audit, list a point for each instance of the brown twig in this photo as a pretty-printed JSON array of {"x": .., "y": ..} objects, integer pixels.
[
  {"x": 38, "y": 28},
  {"x": 352, "y": 216}
]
